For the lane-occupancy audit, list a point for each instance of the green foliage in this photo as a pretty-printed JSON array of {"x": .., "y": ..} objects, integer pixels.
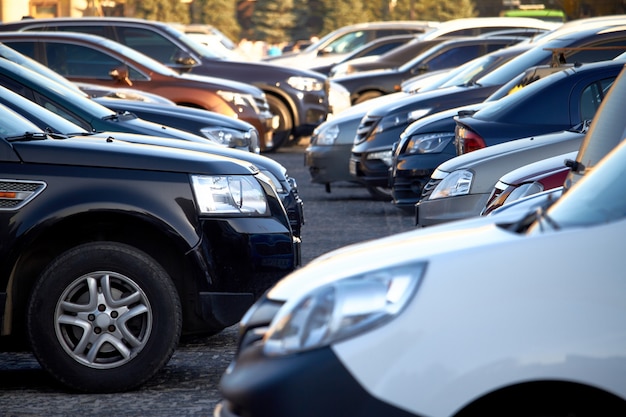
[
  {"x": 204, "y": 11},
  {"x": 273, "y": 20},
  {"x": 339, "y": 13},
  {"x": 442, "y": 10},
  {"x": 161, "y": 10}
]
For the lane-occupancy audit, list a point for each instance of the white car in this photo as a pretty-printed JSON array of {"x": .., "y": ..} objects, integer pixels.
[{"x": 464, "y": 319}]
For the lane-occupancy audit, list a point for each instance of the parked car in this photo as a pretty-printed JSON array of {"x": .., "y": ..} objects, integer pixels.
[
  {"x": 330, "y": 148},
  {"x": 110, "y": 251},
  {"x": 337, "y": 44},
  {"x": 429, "y": 142},
  {"x": 448, "y": 54},
  {"x": 373, "y": 48},
  {"x": 84, "y": 58},
  {"x": 356, "y": 327},
  {"x": 48, "y": 121},
  {"x": 381, "y": 128},
  {"x": 299, "y": 98},
  {"x": 460, "y": 187},
  {"x": 534, "y": 178}
]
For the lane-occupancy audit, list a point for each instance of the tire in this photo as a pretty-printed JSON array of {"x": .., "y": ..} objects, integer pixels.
[
  {"x": 367, "y": 95},
  {"x": 380, "y": 193},
  {"x": 104, "y": 317},
  {"x": 283, "y": 135}
]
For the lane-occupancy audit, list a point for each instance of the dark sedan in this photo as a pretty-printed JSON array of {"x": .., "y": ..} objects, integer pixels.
[
  {"x": 92, "y": 59},
  {"x": 448, "y": 54}
]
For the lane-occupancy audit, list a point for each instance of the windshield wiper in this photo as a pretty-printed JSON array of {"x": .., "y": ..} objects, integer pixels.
[{"x": 28, "y": 136}]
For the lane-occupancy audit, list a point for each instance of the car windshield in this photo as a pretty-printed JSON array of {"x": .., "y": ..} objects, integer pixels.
[
  {"x": 516, "y": 66},
  {"x": 13, "y": 125},
  {"x": 599, "y": 197}
]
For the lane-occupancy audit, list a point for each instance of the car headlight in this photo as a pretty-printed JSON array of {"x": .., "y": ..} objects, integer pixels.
[
  {"x": 326, "y": 135},
  {"x": 400, "y": 119},
  {"x": 342, "y": 309},
  {"x": 524, "y": 190},
  {"x": 229, "y": 194},
  {"x": 455, "y": 183},
  {"x": 275, "y": 181},
  {"x": 231, "y": 138},
  {"x": 306, "y": 83},
  {"x": 238, "y": 99},
  {"x": 428, "y": 143}
]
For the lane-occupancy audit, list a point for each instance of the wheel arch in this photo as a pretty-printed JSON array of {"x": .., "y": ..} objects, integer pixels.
[
  {"x": 285, "y": 99},
  {"x": 42, "y": 246},
  {"x": 553, "y": 397}
]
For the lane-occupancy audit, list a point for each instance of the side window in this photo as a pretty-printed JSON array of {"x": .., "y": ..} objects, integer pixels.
[
  {"x": 453, "y": 57},
  {"x": 592, "y": 96},
  {"x": 615, "y": 48},
  {"x": 99, "y": 30},
  {"x": 54, "y": 108},
  {"x": 79, "y": 61},
  {"x": 24, "y": 48},
  {"x": 149, "y": 43}
]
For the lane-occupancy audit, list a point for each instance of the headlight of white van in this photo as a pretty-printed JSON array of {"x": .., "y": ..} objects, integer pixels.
[
  {"x": 455, "y": 183},
  {"x": 233, "y": 194},
  {"x": 342, "y": 309}
]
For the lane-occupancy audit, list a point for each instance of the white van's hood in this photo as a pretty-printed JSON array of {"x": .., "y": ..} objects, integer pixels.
[{"x": 397, "y": 249}]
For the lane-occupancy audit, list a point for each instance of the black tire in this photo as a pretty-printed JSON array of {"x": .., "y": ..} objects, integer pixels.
[
  {"x": 283, "y": 135},
  {"x": 367, "y": 95},
  {"x": 380, "y": 193},
  {"x": 116, "y": 340}
]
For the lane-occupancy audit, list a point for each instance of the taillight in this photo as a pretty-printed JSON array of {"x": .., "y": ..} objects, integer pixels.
[{"x": 467, "y": 141}]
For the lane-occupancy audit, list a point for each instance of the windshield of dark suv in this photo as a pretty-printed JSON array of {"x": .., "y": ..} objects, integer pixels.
[{"x": 13, "y": 125}]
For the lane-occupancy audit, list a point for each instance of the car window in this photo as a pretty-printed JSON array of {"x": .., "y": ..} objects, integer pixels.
[
  {"x": 592, "y": 96},
  {"x": 83, "y": 61},
  {"x": 347, "y": 43},
  {"x": 610, "y": 50},
  {"x": 99, "y": 30},
  {"x": 149, "y": 43},
  {"x": 48, "y": 104},
  {"x": 453, "y": 57}
]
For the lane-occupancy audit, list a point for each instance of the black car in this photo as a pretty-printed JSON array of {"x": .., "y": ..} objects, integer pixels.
[
  {"x": 381, "y": 127},
  {"x": 448, "y": 54},
  {"x": 93, "y": 117},
  {"x": 110, "y": 251},
  {"x": 298, "y": 97}
]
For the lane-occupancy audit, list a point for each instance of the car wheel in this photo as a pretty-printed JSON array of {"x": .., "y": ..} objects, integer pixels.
[
  {"x": 368, "y": 95},
  {"x": 283, "y": 134},
  {"x": 104, "y": 317},
  {"x": 380, "y": 193}
]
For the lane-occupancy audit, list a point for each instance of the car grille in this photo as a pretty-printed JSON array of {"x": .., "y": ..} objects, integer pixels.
[
  {"x": 262, "y": 104},
  {"x": 365, "y": 129},
  {"x": 428, "y": 188}
]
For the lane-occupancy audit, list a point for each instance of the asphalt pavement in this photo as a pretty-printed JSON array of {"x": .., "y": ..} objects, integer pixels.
[{"x": 188, "y": 385}]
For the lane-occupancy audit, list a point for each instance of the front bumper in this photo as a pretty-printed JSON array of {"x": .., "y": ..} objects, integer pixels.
[
  {"x": 441, "y": 210},
  {"x": 369, "y": 172},
  {"x": 410, "y": 174},
  {"x": 241, "y": 259},
  {"x": 313, "y": 383},
  {"x": 328, "y": 163}
]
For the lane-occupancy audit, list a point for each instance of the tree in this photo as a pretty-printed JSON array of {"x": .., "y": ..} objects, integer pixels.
[
  {"x": 441, "y": 10},
  {"x": 204, "y": 11},
  {"x": 161, "y": 10},
  {"x": 273, "y": 20},
  {"x": 339, "y": 13}
]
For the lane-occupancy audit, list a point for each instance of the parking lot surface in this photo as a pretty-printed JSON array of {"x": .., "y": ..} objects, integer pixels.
[{"x": 188, "y": 385}]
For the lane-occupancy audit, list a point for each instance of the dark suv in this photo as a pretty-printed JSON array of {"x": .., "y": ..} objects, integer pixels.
[
  {"x": 110, "y": 250},
  {"x": 298, "y": 97}
]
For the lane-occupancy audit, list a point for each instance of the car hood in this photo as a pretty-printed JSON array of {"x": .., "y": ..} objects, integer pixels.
[
  {"x": 203, "y": 146},
  {"x": 437, "y": 100},
  {"x": 217, "y": 83},
  {"x": 107, "y": 152},
  {"x": 210, "y": 118},
  {"x": 393, "y": 250},
  {"x": 511, "y": 149},
  {"x": 130, "y": 123}
]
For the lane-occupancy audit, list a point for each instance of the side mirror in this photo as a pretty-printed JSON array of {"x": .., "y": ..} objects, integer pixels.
[{"x": 120, "y": 75}]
